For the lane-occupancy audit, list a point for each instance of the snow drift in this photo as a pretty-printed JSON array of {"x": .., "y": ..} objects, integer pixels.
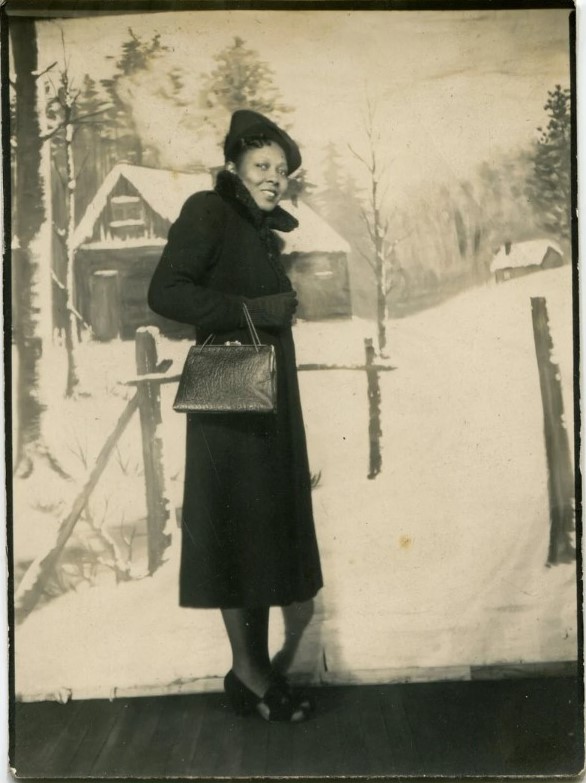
[{"x": 435, "y": 566}]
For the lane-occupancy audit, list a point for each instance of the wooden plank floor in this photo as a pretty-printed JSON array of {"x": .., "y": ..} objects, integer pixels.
[{"x": 482, "y": 728}]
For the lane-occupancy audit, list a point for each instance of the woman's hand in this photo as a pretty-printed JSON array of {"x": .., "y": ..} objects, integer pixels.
[{"x": 276, "y": 310}]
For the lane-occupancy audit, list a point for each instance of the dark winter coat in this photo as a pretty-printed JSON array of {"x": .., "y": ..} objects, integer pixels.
[{"x": 248, "y": 531}]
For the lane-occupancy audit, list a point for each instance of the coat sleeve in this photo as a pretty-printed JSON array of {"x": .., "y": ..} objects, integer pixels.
[{"x": 177, "y": 289}]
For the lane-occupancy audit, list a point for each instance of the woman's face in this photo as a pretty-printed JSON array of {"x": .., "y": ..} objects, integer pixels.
[{"x": 263, "y": 170}]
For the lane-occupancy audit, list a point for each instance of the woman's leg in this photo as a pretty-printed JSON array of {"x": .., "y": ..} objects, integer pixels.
[
  {"x": 296, "y": 617},
  {"x": 248, "y": 632}
]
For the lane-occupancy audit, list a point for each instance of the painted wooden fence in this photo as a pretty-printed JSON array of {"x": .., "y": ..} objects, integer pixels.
[
  {"x": 151, "y": 373},
  {"x": 560, "y": 483}
]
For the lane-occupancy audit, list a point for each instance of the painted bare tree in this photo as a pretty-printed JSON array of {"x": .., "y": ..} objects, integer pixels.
[
  {"x": 382, "y": 250},
  {"x": 30, "y": 264},
  {"x": 66, "y": 119}
]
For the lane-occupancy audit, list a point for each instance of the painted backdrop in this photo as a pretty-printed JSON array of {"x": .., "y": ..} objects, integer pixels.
[{"x": 435, "y": 218}]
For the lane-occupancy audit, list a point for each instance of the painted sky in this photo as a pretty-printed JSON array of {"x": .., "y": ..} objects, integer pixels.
[{"x": 451, "y": 88}]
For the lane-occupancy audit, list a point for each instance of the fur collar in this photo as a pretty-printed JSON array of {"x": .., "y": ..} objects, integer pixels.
[{"x": 231, "y": 188}]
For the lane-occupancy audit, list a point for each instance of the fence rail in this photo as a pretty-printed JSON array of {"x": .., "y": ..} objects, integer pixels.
[{"x": 159, "y": 376}]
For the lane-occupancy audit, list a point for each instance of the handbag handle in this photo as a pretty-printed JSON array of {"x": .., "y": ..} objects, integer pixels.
[{"x": 251, "y": 328}]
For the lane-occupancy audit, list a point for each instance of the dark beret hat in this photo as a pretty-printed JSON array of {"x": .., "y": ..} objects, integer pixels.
[{"x": 246, "y": 123}]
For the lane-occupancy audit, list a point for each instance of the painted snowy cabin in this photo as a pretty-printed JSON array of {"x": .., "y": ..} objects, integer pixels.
[
  {"x": 524, "y": 258},
  {"x": 120, "y": 238},
  {"x": 118, "y": 244},
  {"x": 316, "y": 260}
]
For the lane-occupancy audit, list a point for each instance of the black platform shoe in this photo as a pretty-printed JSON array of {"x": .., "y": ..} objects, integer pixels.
[
  {"x": 276, "y": 704},
  {"x": 298, "y": 695}
]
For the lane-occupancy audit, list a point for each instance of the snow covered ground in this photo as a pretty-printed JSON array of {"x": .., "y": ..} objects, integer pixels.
[{"x": 436, "y": 565}]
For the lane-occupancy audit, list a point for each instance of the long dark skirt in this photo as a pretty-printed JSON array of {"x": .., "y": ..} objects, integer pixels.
[{"x": 248, "y": 536}]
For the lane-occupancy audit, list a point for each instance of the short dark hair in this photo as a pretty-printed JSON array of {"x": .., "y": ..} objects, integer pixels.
[{"x": 247, "y": 143}]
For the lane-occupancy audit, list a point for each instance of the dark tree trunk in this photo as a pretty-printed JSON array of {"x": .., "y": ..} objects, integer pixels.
[
  {"x": 29, "y": 216},
  {"x": 381, "y": 314}
]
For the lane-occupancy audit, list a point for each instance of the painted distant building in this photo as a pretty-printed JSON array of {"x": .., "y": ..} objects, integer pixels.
[{"x": 524, "y": 258}]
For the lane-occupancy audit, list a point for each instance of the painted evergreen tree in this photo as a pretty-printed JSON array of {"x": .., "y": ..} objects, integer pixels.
[
  {"x": 137, "y": 55},
  {"x": 550, "y": 182},
  {"x": 300, "y": 185},
  {"x": 509, "y": 213},
  {"x": 332, "y": 199},
  {"x": 241, "y": 80},
  {"x": 470, "y": 224},
  {"x": 339, "y": 202},
  {"x": 94, "y": 152}
]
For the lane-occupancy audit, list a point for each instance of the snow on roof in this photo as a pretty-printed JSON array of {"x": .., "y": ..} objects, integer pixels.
[
  {"x": 314, "y": 235},
  {"x": 164, "y": 191},
  {"x": 124, "y": 244},
  {"x": 523, "y": 254}
]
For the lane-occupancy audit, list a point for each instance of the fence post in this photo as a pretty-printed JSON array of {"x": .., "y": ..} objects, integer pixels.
[
  {"x": 374, "y": 426},
  {"x": 149, "y": 400},
  {"x": 559, "y": 464}
]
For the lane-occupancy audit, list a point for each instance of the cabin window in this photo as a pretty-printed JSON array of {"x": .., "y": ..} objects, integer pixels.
[
  {"x": 127, "y": 216},
  {"x": 322, "y": 267}
]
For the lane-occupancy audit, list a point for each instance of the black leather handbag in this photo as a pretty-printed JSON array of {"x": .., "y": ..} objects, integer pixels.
[{"x": 229, "y": 378}]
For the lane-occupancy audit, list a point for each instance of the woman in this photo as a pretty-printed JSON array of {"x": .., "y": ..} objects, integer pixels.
[{"x": 248, "y": 538}]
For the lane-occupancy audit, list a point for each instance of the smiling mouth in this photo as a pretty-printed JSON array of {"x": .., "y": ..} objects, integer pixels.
[{"x": 269, "y": 193}]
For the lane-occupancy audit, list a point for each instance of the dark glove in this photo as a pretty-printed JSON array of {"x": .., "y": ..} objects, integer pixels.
[{"x": 275, "y": 310}]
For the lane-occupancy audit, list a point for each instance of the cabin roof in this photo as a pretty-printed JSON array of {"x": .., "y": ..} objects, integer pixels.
[
  {"x": 165, "y": 192},
  {"x": 524, "y": 254},
  {"x": 314, "y": 235}
]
